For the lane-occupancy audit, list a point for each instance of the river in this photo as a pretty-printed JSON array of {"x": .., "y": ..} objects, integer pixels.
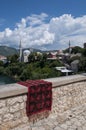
[{"x": 6, "y": 80}]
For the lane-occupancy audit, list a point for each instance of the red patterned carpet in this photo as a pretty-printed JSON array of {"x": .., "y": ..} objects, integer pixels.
[{"x": 39, "y": 96}]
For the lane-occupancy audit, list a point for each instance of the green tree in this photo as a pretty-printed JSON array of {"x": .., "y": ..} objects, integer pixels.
[
  {"x": 1, "y": 63},
  {"x": 76, "y": 49},
  {"x": 82, "y": 64},
  {"x": 38, "y": 57},
  {"x": 27, "y": 73},
  {"x": 84, "y": 52},
  {"x": 13, "y": 58},
  {"x": 31, "y": 57},
  {"x": 44, "y": 56},
  {"x": 1, "y": 70}
]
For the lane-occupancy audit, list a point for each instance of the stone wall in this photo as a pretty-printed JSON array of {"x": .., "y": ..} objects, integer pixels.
[
  {"x": 68, "y": 92},
  {"x": 12, "y": 112},
  {"x": 65, "y": 98}
]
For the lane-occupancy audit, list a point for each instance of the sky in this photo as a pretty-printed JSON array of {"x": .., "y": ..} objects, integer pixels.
[{"x": 43, "y": 24}]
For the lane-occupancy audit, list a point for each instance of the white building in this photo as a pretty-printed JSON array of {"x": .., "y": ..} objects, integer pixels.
[
  {"x": 26, "y": 53},
  {"x": 63, "y": 69},
  {"x": 75, "y": 66}
]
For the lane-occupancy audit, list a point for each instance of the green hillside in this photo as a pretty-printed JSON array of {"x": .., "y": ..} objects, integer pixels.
[{"x": 6, "y": 51}]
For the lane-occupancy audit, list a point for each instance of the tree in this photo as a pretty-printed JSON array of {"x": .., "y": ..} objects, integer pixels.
[
  {"x": 1, "y": 63},
  {"x": 82, "y": 64},
  {"x": 44, "y": 56},
  {"x": 38, "y": 57},
  {"x": 27, "y": 73},
  {"x": 84, "y": 52},
  {"x": 13, "y": 58},
  {"x": 31, "y": 57},
  {"x": 76, "y": 49},
  {"x": 1, "y": 70}
]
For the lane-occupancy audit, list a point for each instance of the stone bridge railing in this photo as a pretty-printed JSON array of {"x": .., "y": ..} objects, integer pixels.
[{"x": 68, "y": 92}]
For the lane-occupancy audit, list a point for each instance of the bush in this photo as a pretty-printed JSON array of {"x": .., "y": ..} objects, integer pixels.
[{"x": 1, "y": 69}]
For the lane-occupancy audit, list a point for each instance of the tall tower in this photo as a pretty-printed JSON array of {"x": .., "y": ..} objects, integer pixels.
[
  {"x": 69, "y": 48},
  {"x": 20, "y": 52}
]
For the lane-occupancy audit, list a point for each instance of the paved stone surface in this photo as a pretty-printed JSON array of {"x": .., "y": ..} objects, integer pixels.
[{"x": 76, "y": 120}]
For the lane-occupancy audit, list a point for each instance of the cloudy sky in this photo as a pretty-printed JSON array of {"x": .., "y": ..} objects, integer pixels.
[{"x": 43, "y": 24}]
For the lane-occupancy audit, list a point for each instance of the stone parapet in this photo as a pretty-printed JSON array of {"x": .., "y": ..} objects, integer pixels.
[
  {"x": 68, "y": 92},
  {"x": 10, "y": 90}
]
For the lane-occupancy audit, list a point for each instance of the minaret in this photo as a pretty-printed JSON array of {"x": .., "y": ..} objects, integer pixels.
[
  {"x": 69, "y": 48},
  {"x": 20, "y": 52}
]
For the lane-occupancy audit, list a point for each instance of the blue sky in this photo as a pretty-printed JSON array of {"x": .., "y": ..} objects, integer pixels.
[{"x": 44, "y": 24}]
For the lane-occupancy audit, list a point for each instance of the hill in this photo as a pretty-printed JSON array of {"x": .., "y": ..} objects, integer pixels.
[
  {"x": 6, "y": 51},
  {"x": 75, "y": 49}
]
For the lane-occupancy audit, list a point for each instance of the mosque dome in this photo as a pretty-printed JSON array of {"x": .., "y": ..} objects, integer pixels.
[{"x": 26, "y": 52}]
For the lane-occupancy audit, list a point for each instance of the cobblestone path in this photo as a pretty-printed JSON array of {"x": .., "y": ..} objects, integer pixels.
[{"x": 76, "y": 120}]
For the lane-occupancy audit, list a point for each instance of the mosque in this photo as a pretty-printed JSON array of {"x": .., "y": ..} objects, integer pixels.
[
  {"x": 26, "y": 53},
  {"x": 23, "y": 54}
]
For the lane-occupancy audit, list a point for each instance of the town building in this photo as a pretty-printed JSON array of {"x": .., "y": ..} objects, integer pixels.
[
  {"x": 74, "y": 66},
  {"x": 3, "y": 58},
  {"x": 26, "y": 53}
]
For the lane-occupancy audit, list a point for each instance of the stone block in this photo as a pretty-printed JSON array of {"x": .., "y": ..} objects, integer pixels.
[
  {"x": 14, "y": 108},
  {"x": 22, "y": 105},
  {"x": 17, "y": 115},
  {"x": 7, "y": 117},
  {"x": 2, "y": 103},
  {"x": 24, "y": 98},
  {"x": 0, "y": 120},
  {"x": 4, "y": 110},
  {"x": 12, "y": 101}
]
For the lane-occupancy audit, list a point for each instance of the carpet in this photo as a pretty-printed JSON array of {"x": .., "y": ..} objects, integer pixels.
[{"x": 39, "y": 96}]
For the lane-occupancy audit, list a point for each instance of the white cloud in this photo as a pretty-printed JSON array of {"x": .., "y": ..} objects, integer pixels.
[
  {"x": 66, "y": 28},
  {"x": 7, "y": 32},
  {"x": 36, "y": 19},
  {"x": 22, "y": 24},
  {"x": 35, "y": 31}
]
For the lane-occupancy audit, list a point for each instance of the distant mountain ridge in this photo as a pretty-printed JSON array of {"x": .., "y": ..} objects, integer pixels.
[{"x": 7, "y": 51}]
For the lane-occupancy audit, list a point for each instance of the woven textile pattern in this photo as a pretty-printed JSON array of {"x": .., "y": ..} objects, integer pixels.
[{"x": 39, "y": 96}]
